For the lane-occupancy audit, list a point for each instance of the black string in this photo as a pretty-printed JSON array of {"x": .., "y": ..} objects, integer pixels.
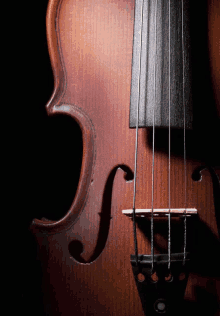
[
  {"x": 152, "y": 206},
  {"x": 169, "y": 215},
  {"x": 135, "y": 237},
  {"x": 184, "y": 141}
]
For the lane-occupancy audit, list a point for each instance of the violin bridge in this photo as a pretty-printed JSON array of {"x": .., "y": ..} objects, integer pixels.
[{"x": 162, "y": 212}]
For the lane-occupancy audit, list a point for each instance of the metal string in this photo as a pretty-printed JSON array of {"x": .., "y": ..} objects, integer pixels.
[
  {"x": 169, "y": 163},
  {"x": 152, "y": 211},
  {"x": 169, "y": 215},
  {"x": 136, "y": 141},
  {"x": 184, "y": 141}
]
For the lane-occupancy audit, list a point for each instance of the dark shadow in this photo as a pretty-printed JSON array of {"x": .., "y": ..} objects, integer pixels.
[
  {"x": 204, "y": 250},
  {"x": 75, "y": 246},
  {"x": 206, "y": 302},
  {"x": 202, "y": 142},
  {"x": 197, "y": 174},
  {"x": 202, "y": 145},
  {"x": 201, "y": 242},
  {"x": 161, "y": 233}
]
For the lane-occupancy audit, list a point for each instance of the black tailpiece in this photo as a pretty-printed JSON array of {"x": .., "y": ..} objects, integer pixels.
[{"x": 163, "y": 291}]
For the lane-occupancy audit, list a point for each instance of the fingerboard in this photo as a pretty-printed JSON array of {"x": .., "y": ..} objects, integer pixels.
[{"x": 161, "y": 72}]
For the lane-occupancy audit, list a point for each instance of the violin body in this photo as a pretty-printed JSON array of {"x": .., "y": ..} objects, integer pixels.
[{"x": 85, "y": 256}]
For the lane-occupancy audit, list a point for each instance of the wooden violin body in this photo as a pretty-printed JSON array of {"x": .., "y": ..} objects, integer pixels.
[{"x": 85, "y": 255}]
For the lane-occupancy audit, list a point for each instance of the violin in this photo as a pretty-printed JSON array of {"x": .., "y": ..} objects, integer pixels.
[{"x": 141, "y": 236}]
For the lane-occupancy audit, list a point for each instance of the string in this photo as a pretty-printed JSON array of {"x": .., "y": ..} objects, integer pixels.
[
  {"x": 169, "y": 217},
  {"x": 184, "y": 141},
  {"x": 152, "y": 211},
  {"x": 136, "y": 142}
]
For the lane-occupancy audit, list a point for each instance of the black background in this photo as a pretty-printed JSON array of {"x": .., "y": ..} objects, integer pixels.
[{"x": 44, "y": 153}]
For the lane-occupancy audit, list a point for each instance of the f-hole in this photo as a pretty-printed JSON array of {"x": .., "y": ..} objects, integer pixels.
[{"x": 75, "y": 246}]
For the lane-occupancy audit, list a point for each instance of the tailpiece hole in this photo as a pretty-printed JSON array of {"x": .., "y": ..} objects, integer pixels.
[{"x": 140, "y": 277}]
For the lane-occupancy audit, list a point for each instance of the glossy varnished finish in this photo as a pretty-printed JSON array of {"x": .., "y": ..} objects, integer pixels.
[{"x": 86, "y": 255}]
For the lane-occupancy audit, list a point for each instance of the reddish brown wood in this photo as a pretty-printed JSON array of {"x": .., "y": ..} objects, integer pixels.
[{"x": 90, "y": 46}]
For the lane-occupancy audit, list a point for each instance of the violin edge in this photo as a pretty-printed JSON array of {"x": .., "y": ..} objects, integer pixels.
[
  {"x": 87, "y": 170},
  {"x": 55, "y": 105},
  {"x": 54, "y": 55}
]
